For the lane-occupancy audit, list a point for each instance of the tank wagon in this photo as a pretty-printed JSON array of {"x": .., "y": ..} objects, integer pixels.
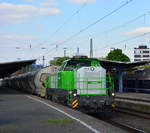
[
  {"x": 31, "y": 82},
  {"x": 80, "y": 82}
]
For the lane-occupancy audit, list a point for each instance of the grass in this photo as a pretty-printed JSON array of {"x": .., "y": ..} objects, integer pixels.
[{"x": 61, "y": 121}]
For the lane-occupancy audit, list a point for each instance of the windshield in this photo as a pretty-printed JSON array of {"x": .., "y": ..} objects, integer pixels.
[{"x": 72, "y": 64}]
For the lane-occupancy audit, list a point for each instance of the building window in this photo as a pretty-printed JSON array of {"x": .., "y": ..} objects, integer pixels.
[
  {"x": 137, "y": 55},
  {"x": 137, "y": 52},
  {"x": 145, "y": 55},
  {"x": 137, "y": 60},
  {"x": 145, "y": 51},
  {"x": 143, "y": 47},
  {"x": 145, "y": 59}
]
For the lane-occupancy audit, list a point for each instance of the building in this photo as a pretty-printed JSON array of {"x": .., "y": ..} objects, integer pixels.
[{"x": 142, "y": 53}]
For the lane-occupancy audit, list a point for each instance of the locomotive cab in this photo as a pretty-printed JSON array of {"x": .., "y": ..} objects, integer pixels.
[{"x": 76, "y": 63}]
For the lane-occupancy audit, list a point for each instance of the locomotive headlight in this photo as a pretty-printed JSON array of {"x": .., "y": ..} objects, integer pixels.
[
  {"x": 74, "y": 94},
  {"x": 113, "y": 94},
  {"x": 92, "y": 69}
]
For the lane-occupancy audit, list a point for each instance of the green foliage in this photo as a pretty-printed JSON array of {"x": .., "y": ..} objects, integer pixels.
[
  {"x": 144, "y": 67},
  {"x": 117, "y": 55},
  {"x": 61, "y": 121},
  {"x": 60, "y": 60}
]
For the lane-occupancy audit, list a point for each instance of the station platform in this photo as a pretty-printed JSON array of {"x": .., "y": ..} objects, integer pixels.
[
  {"x": 135, "y": 101},
  {"x": 22, "y": 113}
]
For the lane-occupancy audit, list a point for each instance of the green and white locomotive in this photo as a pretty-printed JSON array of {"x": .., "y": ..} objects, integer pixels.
[{"x": 81, "y": 83}]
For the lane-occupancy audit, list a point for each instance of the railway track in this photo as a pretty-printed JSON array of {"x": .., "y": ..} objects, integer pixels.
[
  {"x": 126, "y": 127},
  {"x": 133, "y": 113},
  {"x": 124, "y": 121}
]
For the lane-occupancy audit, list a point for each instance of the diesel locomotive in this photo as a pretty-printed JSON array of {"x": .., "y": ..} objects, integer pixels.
[{"x": 80, "y": 82}]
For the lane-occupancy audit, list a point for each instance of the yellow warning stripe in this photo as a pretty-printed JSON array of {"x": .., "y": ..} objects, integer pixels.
[
  {"x": 74, "y": 102},
  {"x": 73, "y": 99},
  {"x": 75, "y": 105}
]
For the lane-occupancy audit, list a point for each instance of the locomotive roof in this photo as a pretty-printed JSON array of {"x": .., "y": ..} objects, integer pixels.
[{"x": 76, "y": 59}]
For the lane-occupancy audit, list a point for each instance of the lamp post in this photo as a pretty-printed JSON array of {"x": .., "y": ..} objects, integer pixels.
[{"x": 65, "y": 52}]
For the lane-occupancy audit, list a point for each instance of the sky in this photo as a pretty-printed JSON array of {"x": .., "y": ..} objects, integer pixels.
[{"x": 31, "y": 29}]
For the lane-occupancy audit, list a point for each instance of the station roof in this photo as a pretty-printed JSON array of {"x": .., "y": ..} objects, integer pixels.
[
  {"x": 122, "y": 65},
  {"x": 8, "y": 68}
]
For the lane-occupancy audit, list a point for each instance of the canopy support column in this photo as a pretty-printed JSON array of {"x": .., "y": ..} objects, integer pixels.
[{"x": 120, "y": 80}]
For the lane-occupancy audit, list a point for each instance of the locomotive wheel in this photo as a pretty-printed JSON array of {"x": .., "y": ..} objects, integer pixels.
[{"x": 49, "y": 97}]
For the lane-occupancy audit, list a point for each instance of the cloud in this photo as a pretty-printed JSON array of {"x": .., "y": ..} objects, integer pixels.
[
  {"x": 138, "y": 31},
  {"x": 82, "y": 1},
  {"x": 16, "y": 38},
  {"x": 15, "y": 13},
  {"x": 19, "y": 37},
  {"x": 49, "y": 3}
]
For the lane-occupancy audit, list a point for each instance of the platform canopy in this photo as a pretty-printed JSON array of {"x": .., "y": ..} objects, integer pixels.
[
  {"x": 120, "y": 68},
  {"x": 8, "y": 68},
  {"x": 122, "y": 65}
]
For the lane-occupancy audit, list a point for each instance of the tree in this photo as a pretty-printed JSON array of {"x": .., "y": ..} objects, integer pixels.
[{"x": 117, "y": 55}]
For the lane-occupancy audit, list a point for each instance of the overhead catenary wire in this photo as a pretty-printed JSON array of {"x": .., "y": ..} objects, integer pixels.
[
  {"x": 95, "y": 22},
  {"x": 59, "y": 28},
  {"x": 126, "y": 40},
  {"x": 62, "y": 25},
  {"x": 16, "y": 41},
  {"x": 126, "y": 23},
  {"x": 123, "y": 25},
  {"x": 68, "y": 19},
  {"x": 54, "y": 49}
]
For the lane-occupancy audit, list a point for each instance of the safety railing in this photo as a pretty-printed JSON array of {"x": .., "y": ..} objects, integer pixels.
[{"x": 93, "y": 85}]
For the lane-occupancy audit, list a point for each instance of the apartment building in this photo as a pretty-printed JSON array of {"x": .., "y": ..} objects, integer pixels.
[{"x": 142, "y": 53}]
